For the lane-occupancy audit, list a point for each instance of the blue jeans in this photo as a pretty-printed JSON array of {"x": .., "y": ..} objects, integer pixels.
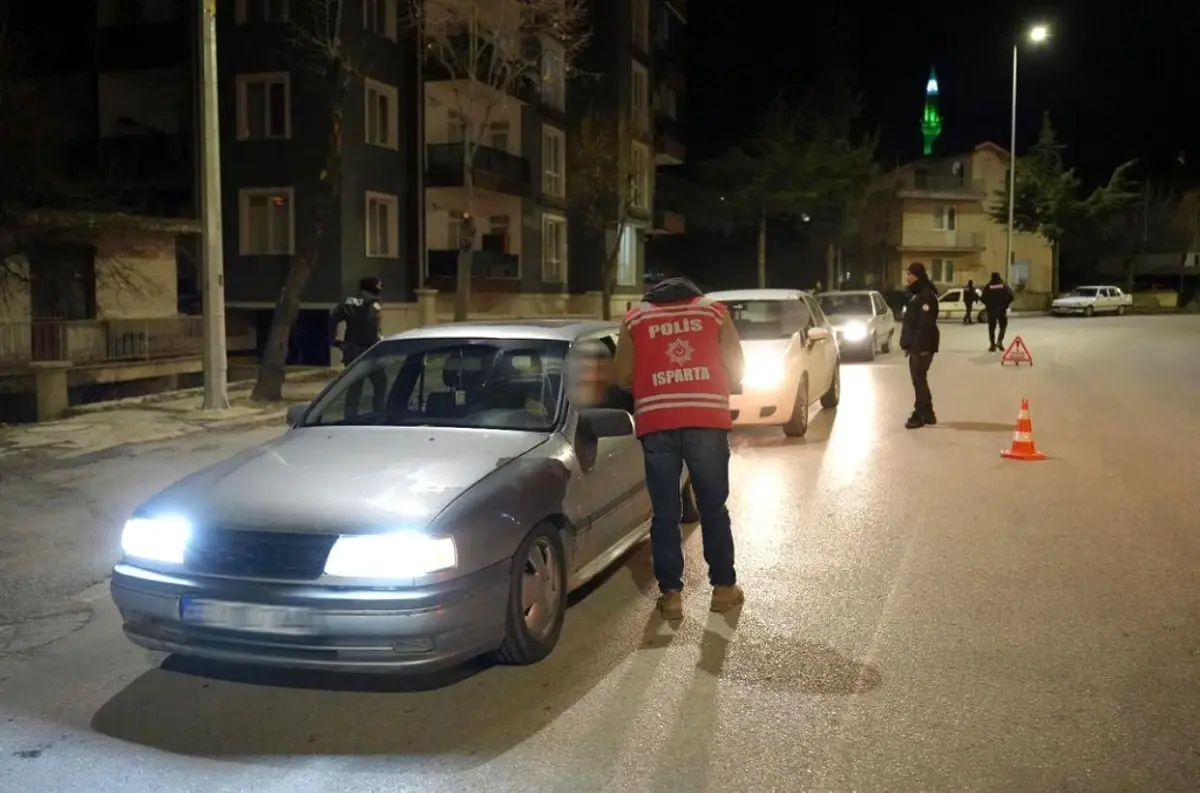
[{"x": 706, "y": 453}]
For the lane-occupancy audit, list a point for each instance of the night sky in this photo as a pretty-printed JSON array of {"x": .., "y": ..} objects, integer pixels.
[{"x": 1119, "y": 78}]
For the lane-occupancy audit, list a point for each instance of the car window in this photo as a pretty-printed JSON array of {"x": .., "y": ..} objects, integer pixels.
[
  {"x": 953, "y": 296},
  {"x": 880, "y": 306},
  {"x": 814, "y": 306},
  {"x": 768, "y": 319},
  {"x": 591, "y": 375},
  {"x": 845, "y": 305},
  {"x": 1085, "y": 291},
  {"x": 472, "y": 383}
]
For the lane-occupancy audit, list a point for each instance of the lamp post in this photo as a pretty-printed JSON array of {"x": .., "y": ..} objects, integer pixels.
[{"x": 1038, "y": 34}]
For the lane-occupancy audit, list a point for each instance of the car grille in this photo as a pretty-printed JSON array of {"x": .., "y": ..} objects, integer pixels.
[{"x": 258, "y": 554}]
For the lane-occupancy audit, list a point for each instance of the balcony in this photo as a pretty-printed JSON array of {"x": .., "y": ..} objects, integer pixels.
[
  {"x": 668, "y": 222},
  {"x": 484, "y": 264},
  {"x": 84, "y": 342},
  {"x": 492, "y": 170},
  {"x": 668, "y": 150},
  {"x": 152, "y": 45},
  {"x": 148, "y": 159},
  {"x": 934, "y": 240},
  {"x": 923, "y": 185}
]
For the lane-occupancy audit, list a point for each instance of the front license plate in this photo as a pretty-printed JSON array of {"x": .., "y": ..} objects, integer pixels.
[{"x": 246, "y": 617}]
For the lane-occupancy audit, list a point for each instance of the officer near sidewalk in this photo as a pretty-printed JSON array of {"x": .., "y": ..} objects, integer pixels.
[
  {"x": 920, "y": 338},
  {"x": 970, "y": 296},
  {"x": 362, "y": 316},
  {"x": 679, "y": 352},
  {"x": 997, "y": 297}
]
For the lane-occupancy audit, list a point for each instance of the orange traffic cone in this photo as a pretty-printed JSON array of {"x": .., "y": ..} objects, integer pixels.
[{"x": 1022, "y": 445}]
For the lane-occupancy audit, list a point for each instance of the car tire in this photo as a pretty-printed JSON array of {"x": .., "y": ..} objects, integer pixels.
[
  {"x": 1089, "y": 312},
  {"x": 1120, "y": 311},
  {"x": 528, "y": 636},
  {"x": 797, "y": 426},
  {"x": 691, "y": 512},
  {"x": 833, "y": 396},
  {"x": 982, "y": 317},
  {"x": 887, "y": 343},
  {"x": 870, "y": 356}
]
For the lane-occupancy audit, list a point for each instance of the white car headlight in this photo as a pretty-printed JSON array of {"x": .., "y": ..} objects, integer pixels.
[
  {"x": 854, "y": 332},
  {"x": 762, "y": 373},
  {"x": 398, "y": 555},
  {"x": 162, "y": 540}
]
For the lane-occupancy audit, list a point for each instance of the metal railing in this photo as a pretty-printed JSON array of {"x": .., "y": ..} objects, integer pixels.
[
  {"x": 83, "y": 342},
  {"x": 484, "y": 264},
  {"x": 447, "y": 158},
  {"x": 937, "y": 183}
]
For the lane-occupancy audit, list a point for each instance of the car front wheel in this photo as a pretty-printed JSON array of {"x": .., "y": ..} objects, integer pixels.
[
  {"x": 1089, "y": 311},
  {"x": 982, "y": 316},
  {"x": 798, "y": 425},
  {"x": 831, "y": 397},
  {"x": 537, "y": 598}
]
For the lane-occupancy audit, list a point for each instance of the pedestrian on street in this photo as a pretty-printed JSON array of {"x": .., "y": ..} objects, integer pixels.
[
  {"x": 919, "y": 338},
  {"x": 362, "y": 316},
  {"x": 997, "y": 297},
  {"x": 679, "y": 352},
  {"x": 969, "y": 297}
]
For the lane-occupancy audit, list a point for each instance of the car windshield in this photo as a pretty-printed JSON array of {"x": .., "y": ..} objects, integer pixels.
[
  {"x": 834, "y": 305},
  {"x": 766, "y": 319},
  {"x": 507, "y": 384},
  {"x": 1085, "y": 291}
]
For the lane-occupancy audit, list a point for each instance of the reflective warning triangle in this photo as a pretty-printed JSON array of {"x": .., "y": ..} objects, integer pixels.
[{"x": 1017, "y": 353}]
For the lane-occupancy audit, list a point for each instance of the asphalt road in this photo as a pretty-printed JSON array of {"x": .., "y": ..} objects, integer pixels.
[{"x": 922, "y": 616}]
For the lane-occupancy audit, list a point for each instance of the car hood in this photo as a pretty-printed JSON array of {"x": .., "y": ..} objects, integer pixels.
[
  {"x": 765, "y": 348},
  {"x": 343, "y": 479}
]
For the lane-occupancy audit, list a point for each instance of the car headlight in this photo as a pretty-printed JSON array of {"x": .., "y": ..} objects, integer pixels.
[
  {"x": 855, "y": 332},
  {"x": 397, "y": 555},
  {"x": 762, "y": 373},
  {"x": 162, "y": 540}
]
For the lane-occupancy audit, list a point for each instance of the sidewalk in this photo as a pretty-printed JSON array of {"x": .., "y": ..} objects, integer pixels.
[{"x": 105, "y": 425}]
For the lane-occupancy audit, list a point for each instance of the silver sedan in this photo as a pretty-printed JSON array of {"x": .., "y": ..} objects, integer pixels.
[{"x": 436, "y": 502}]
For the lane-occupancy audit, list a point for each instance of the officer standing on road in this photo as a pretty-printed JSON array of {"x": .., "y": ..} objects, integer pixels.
[
  {"x": 362, "y": 316},
  {"x": 919, "y": 338},
  {"x": 997, "y": 297},
  {"x": 680, "y": 353},
  {"x": 969, "y": 297}
]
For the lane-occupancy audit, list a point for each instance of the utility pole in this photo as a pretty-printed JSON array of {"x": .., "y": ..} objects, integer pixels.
[{"x": 216, "y": 396}]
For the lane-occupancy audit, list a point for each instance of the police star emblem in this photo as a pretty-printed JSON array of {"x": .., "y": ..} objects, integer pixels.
[{"x": 680, "y": 352}]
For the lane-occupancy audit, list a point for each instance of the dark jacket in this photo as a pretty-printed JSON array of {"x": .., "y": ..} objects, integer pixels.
[
  {"x": 363, "y": 322},
  {"x": 970, "y": 295},
  {"x": 997, "y": 297},
  {"x": 919, "y": 331}
]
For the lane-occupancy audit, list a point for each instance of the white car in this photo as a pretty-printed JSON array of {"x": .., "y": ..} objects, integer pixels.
[
  {"x": 951, "y": 305},
  {"x": 862, "y": 321},
  {"x": 1090, "y": 300},
  {"x": 792, "y": 357}
]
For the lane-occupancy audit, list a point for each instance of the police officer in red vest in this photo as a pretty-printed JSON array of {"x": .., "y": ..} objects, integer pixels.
[{"x": 680, "y": 353}]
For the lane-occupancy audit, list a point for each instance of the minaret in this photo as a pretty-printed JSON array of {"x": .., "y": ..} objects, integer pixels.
[{"x": 931, "y": 123}]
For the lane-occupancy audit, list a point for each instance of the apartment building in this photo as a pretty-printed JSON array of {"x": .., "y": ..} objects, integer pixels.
[
  {"x": 633, "y": 71},
  {"x": 936, "y": 211}
]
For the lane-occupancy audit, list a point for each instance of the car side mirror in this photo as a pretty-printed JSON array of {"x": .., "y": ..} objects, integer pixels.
[
  {"x": 606, "y": 422},
  {"x": 818, "y": 334},
  {"x": 295, "y": 414}
]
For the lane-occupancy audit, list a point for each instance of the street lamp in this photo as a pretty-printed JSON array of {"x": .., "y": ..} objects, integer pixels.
[{"x": 1038, "y": 34}]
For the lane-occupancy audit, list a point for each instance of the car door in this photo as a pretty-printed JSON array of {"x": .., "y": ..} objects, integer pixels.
[
  {"x": 614, "y": 495},
  {"x": 950, "y": 305},
  {"x": 880, "y": 324},
  {"x": 823, "y": 354}
]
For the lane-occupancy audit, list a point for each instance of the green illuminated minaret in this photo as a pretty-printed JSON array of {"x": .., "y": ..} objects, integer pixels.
[{"x": 931, "y": 123}]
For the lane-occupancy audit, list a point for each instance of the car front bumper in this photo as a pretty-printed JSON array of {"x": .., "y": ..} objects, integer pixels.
[
  {"x": 763, "y": 408},
  {"x": 853, "y": 342},
  {"x": 414, "y": 629},
  {"x": 1071, "y": 309}
]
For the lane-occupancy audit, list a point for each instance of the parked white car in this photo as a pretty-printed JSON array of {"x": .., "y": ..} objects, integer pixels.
[
  {"x": 1090, "y": 300},
  {"x": 792, "y": 357},
  {"x": 951, "y": 305},
  {"x": 862, "y": 321}
]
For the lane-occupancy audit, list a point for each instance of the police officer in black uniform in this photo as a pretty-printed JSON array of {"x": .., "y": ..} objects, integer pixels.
[
  {"x": 362, "y": 316},
  {"x": 997, "y": 297},
  {"x": 920, "y": 338}
]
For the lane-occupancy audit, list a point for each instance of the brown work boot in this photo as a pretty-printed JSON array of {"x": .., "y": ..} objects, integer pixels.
[
  {"x": 725, "y": 598},
  {"x": 671, "y": 605}
]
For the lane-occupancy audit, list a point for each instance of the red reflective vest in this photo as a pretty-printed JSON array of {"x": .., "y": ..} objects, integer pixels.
[{"x": 679, "y": 377}]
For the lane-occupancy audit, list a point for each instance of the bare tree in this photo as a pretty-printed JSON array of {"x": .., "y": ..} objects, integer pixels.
[
  {"x": 316, "y": 41},
  {"x": 602, "y": 186},
  {"x": 492, "y": 50}
]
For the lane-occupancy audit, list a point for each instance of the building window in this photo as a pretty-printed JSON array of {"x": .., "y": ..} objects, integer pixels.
[
  {"x": 457, "y": 128},
  {"x": 379, "y": 17},
  {"x": 382, "y": 107},
  {"x": 260, "y": 11},
  {"x": 627, "y": 259},
  {"x": 383, "y": 226},
  {"x": 554, "y": 147},
  {"x": 554, "y": 249},
  {"x": 498, "y": 135},
  {"x": 1018, "y": 274},
  {"x": 640, "y": 10},
  {"x": 942, "y": 271},
  {"x": 267, "y": 221},
  {"x": 264, "y": 106},
  {"x": 554, "y": 75},
  {"x": 639, "y": 97},
  {"x": 667, "y": 102},
  {"x": 945, "y": 218},
  {"x": 640, "y": 165}
]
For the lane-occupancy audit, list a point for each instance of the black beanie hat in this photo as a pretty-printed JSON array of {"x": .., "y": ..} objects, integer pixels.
[{"x": 918, "y": 271}]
